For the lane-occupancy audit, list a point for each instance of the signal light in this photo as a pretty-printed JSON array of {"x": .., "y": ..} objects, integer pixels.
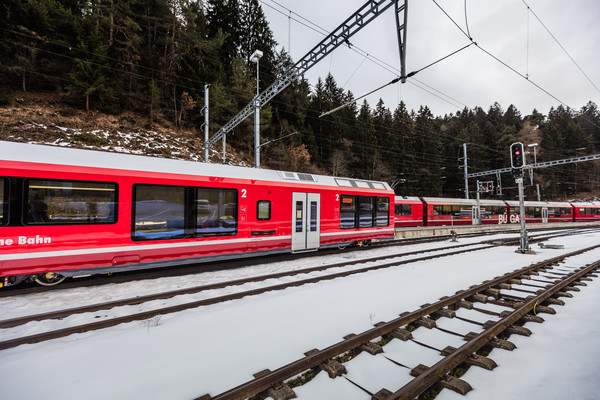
[{"x": 517, "y": 158}]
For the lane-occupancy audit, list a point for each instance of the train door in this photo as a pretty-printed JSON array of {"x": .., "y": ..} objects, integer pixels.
[
  {"x": 475, "y": 215},
  {"x": 545, "y": 215},
  {"x": 306, "y": 216}
]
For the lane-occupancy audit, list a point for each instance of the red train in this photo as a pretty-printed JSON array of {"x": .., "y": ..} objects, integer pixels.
[
  {"x": 429, "y": 211},
  {"x": 70, "y": 212}
]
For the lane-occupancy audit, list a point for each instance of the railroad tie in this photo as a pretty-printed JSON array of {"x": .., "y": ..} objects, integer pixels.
[
  {"x": 332, "y": 367},
  {"x": 448, "y": 381},
  {"x": 383, "y": 394},
  {"x": 495, "y": 342},
  {"x": 474, "y": 359},
  {"x": 278, "y": 391}
]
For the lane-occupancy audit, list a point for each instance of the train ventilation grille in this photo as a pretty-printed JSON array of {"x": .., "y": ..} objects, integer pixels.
[{"x": 297, "y": 176}]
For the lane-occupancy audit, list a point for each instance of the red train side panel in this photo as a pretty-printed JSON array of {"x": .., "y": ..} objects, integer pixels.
[
  {"x": 408, "y": 212},
  {"x": 63, "y": 210}
]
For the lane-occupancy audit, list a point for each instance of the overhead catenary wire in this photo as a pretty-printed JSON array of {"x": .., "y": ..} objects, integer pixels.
[
  {"x": 396, "y": 80},
  {"x": 382, "y": 64},
  {"x": 502, "y": 62},
  {"x": 561, "y": 46}
]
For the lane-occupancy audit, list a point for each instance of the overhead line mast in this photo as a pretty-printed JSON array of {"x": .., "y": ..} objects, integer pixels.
[{"x": 341, "y": 35}]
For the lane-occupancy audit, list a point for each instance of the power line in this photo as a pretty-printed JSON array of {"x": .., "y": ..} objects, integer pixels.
[
  {"x": 560, "y": 45},
  {"x": 504, "y": 63},
  {"x": 382, "y": 64}
]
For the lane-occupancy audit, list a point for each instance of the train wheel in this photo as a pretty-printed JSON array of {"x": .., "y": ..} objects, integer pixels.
[
  {"x": 365, "y": 243},
  {"x": 49, "y": 279}
]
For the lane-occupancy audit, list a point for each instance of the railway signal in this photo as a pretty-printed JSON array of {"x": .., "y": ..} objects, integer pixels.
[
  {"x": 517, "y": 162},
  {"x": 517, "y": 156}
]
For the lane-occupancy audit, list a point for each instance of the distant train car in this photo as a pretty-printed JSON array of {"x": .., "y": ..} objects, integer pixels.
[
  {"x": 541, "y": 212},
  {"x": 440, "y": 211},
  {"x": 586, "y": 211},
  {"x": 408, "y": 211},
  {"x": 69, "y": 212}
]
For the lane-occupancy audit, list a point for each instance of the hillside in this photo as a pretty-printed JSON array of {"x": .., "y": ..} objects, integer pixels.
[{"x": 41, "y": 119}]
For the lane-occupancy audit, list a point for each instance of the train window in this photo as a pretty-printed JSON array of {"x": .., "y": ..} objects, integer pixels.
[
  {"x": 382, "y": 216},
  {"x": 454, "y": 211},
  {"x": 313, "y": 216},
  {"x": 263, "y": 210},
  {"x": 299, "y": 217},
  {"x": 159, "y": 212},
  {"x": 348, "y": 212},
  {"x": 365, "y": 212},
  {"x": 533, "y": 212},
  {"x": 216, "y": 212},
  {"x": 53, "y": 202},
  {"x": 3, "y": 196},
  {"x": 403, "y": 209}
]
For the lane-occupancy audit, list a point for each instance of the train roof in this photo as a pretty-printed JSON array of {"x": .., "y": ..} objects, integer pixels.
[
  {"x": 471, "y": 202},
  {"x": 408, "y": 198},
  {"x": 514, "y": 203},
  {"x": 586, "y": 203},
  {"x": 47, "y": 154}
]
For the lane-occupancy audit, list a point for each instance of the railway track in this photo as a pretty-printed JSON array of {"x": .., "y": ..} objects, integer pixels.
[
  {"x": 543, "y": 282},
  {"x": 97, "y": 280},
  {"x": 322, "y": 273}
]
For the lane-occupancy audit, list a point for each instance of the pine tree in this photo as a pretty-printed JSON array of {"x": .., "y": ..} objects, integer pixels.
[{"x": 89, "y": 74}]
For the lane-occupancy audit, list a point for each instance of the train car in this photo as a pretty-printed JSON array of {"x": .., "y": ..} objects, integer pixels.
[
  {"x": 408, "y": 211},
  {"x": 586, "y": 211},
  {"x": 541, "y": 212},
  {"x": 69, "y": 212},
  {"x": 440, "y": 211}
]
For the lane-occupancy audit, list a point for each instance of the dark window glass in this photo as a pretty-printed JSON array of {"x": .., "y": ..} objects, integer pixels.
[
  {"x": 455, "y": 211},
  {"x": 382, "y": 217},
  {"x": 365, "y": 213},
  {"x": 299, "y": 212},
  {"x": 2, "y": 201},
  {"x": 51, "y": 202},
  {"x": 348, "y": 212},
  {"x": 263, "y": 210},
  {"x": 313, "y": 216},
  {"x": 216, "y": 212},
  {"x": 403, "y": 209},
  {"x": 159, "y": 212}
]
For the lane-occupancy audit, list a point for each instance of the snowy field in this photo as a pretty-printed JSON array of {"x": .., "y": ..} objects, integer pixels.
[{"x": 211, "y": 349}]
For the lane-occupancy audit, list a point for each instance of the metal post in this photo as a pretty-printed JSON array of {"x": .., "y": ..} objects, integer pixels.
[
  {"x": 537, "y": 186},
  {"x": 466, "y": 173},
  {"x": 256, "y": 131},
  {"x": 223, "y": 149},
  {"x": 206, "y": 159},
  {"x": 255, "y": 58},
  {"x": 534, "y": 145},
  {"x": 524, "y": 239},
  {"x": 478, "y": 210}
]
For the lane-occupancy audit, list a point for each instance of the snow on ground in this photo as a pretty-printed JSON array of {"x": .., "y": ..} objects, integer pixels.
[{"x": 213, "y": 348}]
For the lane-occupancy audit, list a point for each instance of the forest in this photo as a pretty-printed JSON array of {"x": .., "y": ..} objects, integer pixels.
[{"x": 154, "y": 58}]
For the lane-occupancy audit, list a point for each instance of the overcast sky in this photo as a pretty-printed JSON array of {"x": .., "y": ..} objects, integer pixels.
[{"x": 470, "y": 78}]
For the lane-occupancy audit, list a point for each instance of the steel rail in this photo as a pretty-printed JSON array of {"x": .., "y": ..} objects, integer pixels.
[
  {"x": 40, "y": 337},
  {"x": 295, "y": 368},
  {"x": 9, "y": 323},
  {"x": 439, "y": 370}
]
